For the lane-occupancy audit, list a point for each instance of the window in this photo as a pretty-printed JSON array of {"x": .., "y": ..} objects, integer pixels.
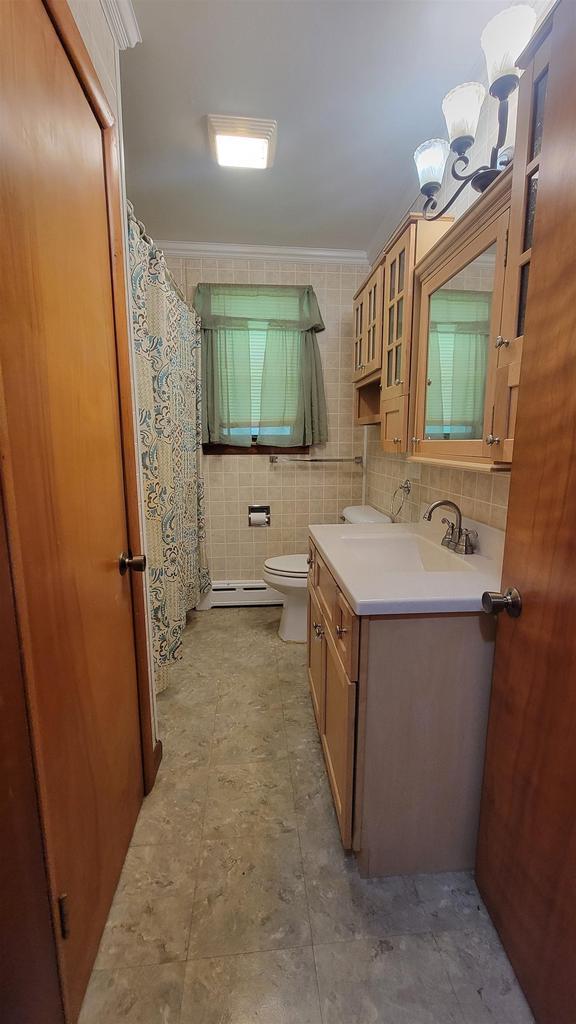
[{"x": 262, "y": 374}]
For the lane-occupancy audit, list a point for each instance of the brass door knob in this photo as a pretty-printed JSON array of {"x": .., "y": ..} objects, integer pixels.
[
  {"x": 340, "y": 631},
  {"x": 136, "y": 563}
]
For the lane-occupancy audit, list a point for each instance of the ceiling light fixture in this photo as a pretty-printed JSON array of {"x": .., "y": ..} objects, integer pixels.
[
  {"x": 502, "y": 41},
  {"x": 242, "y": 141}
]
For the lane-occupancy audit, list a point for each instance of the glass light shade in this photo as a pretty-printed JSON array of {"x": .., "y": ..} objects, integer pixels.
[
  {"x": 461, "y": 108},
  {"x": 241, "y": 151},
  {"x": 430, "y": 159},
  {"x": 503, "y": 40}
]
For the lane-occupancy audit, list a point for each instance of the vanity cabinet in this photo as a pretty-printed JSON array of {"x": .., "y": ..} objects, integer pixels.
[{"x": 401, "y": 704}]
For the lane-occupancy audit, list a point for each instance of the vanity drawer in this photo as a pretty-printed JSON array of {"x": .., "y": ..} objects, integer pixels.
[{"x": 345, "y": 630}]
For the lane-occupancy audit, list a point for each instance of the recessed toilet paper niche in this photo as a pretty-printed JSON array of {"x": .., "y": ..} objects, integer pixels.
[{"x": 258, "y": 515}]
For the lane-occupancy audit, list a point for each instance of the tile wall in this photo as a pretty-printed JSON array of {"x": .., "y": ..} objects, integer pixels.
[
  {"x": 481, "y": 496},
  {"x": 297, "y": 494}
]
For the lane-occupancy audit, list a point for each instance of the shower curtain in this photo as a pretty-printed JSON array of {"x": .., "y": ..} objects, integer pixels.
[{"x": 166, "y": 340}]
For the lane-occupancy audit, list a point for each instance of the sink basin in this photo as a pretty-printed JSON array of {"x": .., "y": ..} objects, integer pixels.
[
  {"x": 402, "y": 568},
  {"x": 405, "y": 552}
]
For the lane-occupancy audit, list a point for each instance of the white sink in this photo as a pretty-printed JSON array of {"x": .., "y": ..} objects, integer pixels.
[
  {"x": 404, "y": 552},
  {"x": 393, "y": 568}
]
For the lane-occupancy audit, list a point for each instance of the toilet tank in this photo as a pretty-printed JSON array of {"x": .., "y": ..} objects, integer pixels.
[{"x": 364, "y": 514}]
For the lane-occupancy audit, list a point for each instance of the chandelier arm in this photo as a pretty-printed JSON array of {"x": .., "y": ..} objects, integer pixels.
[
  {"x": 502, "y": 131},
  {"x": 464, "y": 160},
  {"x": 431, "y": 203}
]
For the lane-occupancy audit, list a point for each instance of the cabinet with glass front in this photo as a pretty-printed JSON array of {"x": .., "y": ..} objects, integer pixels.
[{"x": 458, "y": 320}]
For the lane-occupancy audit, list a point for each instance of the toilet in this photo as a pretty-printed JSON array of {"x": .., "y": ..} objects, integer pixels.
[{"x": 289, "y": 575}]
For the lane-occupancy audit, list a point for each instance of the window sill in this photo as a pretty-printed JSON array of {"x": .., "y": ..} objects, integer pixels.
[{"x": 255, "y": 449}]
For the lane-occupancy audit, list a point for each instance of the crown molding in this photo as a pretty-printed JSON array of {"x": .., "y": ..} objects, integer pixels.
[
  {"x": 122, "y": 21},
  {"x": 285, "y": 253}
]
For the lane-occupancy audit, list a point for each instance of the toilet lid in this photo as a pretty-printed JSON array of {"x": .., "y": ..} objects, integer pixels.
[{"x": 287, "y": 565}]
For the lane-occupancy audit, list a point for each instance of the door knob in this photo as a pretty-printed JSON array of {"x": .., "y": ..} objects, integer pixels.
[
  {"x": 490, "y": 440},
  {"x": 510, "y": 602},
  {"x": 137, "y": 563}
]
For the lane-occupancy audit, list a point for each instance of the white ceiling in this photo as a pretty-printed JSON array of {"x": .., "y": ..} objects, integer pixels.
[{"x": 354, "y": 86}]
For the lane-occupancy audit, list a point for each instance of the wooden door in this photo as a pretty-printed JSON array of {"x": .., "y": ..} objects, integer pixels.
[
  {"x": 338, "y": 738},
  {"x": 527, "y": 846},
  {"x": 358, "y": 317},
  {"x": 372, "y": 359},
  {"x": 316, "y": 657},
  {"x": 527, "y": 149},
  {"x": 397, "y": 316},
  {"x": 394, "y": 424},
  {"x": 63, "y": 479}
]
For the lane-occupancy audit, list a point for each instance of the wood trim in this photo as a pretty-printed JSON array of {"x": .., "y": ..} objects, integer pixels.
[
  {"x": 411, "y": 218},
  {"x": 538, "y": 36},
  {"x": 71, "y": 39}
]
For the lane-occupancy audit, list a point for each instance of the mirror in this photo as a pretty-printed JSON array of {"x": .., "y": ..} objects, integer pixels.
[{"x": 458, "y": 336}]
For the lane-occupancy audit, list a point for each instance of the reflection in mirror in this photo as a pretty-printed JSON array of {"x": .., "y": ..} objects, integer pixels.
[{"x": 458, "y": 336}]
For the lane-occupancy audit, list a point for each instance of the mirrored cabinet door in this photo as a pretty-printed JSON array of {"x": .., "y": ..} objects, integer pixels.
[
  {"x": 525, "y": 176},
  {"x": 460, "y": 314}
]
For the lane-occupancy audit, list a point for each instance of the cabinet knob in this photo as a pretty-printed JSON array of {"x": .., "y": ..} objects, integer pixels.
[
  {"x": 501, "y": 342},
  {"x": 340, "y": 631},
  {"x": 310, "y": 561},
  {"x": 490, "y": 440},
  {"x": 415, "y": 441},
  {"x": 397, "y": 382},
  {"x": 318, "y": 630},
  {"x": 397, "y": 440}
]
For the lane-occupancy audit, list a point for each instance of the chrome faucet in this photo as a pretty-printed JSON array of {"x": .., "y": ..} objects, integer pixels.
[{"x": 457, "y": 539}]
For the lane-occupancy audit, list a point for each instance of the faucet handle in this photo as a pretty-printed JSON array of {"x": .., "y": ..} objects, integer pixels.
[
  {"x": 467, "y": 543},
  {"x": 448, "y": 538}
]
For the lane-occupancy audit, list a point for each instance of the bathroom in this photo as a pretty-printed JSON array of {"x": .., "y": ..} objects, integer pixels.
[{"x": 288, "y": 718}]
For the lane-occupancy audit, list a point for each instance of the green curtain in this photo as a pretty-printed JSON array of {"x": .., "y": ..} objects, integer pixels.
[
  {"x": 261, "y": 367},
  {"x": 457, "y": 359}
]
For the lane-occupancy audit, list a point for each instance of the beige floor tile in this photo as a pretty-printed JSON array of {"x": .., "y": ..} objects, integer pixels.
[
  {"x": 351, "y": 907},
  {"x": 400, "y": 980},
  {"x": 170, "y": 869},
  {"x": 312, "y": 796},
  {"x": 451, "y": 900},
  {"x": 253, "y": 735},
  {"x": 277, "y": 987},
  {"x": 135, "y": 995},
  {"x": 174, "y": 810},
  {"x": 482, "y": 977},
  {"x": 142, "y": 931},
  {"x": 250, "y": 896},
  {"x": 252, "y": 799}
]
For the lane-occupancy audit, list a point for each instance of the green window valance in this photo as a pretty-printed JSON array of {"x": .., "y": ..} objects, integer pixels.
[{"x": 263, "y": 381}]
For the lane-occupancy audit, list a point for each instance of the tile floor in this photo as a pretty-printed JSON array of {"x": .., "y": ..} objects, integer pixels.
[{"x": 237, "y": 904}]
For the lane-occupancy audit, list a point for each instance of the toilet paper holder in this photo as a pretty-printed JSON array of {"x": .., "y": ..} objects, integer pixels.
[{"x": 258, "y": 515}]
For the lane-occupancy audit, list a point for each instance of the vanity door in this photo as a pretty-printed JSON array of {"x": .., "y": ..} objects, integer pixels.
[
  {"x": 338, "y": 736},
  {"x": 460, "y": 320},
  {"x": 316, "y": 658}
]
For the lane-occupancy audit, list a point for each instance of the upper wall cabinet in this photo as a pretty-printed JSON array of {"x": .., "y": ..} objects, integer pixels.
[
  {"x": 528, "y": 144},
  {"x": 460, "y": 295},
  {"x": 412, "y": 241}
]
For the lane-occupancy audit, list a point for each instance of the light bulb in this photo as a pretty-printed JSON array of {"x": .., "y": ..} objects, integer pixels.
[
  {"x": 461, "y": 108},
  {"x": 430, "y": 159},
  {"x": 503, "y": 40}
]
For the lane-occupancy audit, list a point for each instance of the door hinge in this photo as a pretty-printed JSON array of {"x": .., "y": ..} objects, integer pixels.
[{"x": 63, "y": 916}]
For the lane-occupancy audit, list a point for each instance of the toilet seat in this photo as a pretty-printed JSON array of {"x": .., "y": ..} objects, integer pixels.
[{"x": 287, "y": 566}]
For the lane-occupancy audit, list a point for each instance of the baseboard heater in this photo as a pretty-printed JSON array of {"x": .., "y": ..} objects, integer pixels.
[{"x": 228, "y": 593}]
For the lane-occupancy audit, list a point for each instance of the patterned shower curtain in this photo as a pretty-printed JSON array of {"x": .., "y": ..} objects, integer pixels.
[{"x": 166, "y": 338}]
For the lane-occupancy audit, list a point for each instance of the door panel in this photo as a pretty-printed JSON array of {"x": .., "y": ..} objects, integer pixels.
[
  {"x": 63, "y": 471},
  {"x": 527, "y": 844}
]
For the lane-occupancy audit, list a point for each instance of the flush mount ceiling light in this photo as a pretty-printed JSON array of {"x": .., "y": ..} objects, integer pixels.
[
  {"x": 502, "y": 41},
  {"x": 242, "y": 141}
]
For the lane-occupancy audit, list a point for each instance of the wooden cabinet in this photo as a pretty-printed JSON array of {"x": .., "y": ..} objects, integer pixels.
[
  {"x": 359, "y": 333},
  {"x": 316, "y": 657},
  {"x": 413, "y": 239},
  {"x": 337, "y": 738},
  {"x": 367, "y": 318},
  {"x": 460, "y": 302},
  {"x": 525, "y": 176},
  {"x": 402, "y": 738}
]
